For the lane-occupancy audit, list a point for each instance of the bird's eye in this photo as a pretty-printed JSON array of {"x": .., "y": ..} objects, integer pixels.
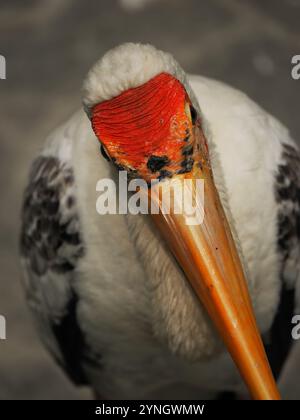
[
  {"x": 191, "y": 113},
  {"x": 104, "y": 153}
]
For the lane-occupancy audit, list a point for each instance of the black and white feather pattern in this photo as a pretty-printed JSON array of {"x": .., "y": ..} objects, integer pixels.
[
  {"x": 288, "y": 198},
  {"x": 287, "y": 193},
  {"x": 50, "y": 248}
]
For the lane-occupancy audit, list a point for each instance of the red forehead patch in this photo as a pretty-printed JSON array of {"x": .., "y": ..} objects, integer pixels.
[{"x": 143, "y": 121}]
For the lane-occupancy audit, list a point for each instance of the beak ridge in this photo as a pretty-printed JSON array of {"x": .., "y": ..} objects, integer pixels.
[{"x": 207, "y": 254}]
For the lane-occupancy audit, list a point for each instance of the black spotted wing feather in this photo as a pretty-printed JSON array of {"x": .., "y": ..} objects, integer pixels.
[
  {"x": 50, "y": 249},
  {"x": 288, "y": 198},
  {"x": 287, "y": 193}
]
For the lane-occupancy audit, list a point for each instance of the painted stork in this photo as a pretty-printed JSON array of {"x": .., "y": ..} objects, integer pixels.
[{"x": 141, "y": 306}]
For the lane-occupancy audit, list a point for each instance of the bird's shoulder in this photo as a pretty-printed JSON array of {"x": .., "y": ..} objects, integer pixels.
[
  {"x": 287, "y": 193},
  {"x": 225, "y": 104},
  {"x": 51, "y": 246}
]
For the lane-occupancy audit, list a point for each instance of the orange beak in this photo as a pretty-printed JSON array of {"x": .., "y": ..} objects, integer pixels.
[
  {"x": 208, "y": 256},
  {"x": 158, "y": 118}
]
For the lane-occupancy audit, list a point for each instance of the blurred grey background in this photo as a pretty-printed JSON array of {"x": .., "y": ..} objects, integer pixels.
[{"x": 49, "y": 46}]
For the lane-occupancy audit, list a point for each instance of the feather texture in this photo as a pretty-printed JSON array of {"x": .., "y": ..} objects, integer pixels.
[{"x": 51, "y": 245}]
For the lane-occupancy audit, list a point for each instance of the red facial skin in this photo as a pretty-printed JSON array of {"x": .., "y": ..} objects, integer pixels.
[{"x": 146, "y": 130}]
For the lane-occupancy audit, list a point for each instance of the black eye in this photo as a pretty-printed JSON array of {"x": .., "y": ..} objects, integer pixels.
[
  {"x": 194, "y": 114},
  {"x": 103, "y": 153}
]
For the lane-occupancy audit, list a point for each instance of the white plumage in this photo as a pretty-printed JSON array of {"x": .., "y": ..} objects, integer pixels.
[{"x": 132, "y": 302}]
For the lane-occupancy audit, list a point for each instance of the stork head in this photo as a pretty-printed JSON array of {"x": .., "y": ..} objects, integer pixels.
[{"x": 149, "y": 123}]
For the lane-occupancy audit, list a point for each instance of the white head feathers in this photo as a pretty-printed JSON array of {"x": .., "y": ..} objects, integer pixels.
[{"x": 127, "y": 66}]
